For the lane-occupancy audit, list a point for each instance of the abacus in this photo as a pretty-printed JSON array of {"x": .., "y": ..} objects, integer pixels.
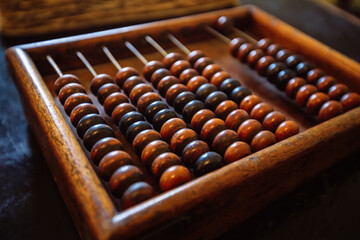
[{"x": 188, "y": 148}]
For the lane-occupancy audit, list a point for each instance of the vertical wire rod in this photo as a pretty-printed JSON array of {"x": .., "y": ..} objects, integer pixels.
[
  {"x": 178, "y": 44},
  {"x": 111, "y": 58},
  {"x": 136, "y": 52},
  {"x": 54, "y": 65},
  {"x": 86, "y": 63},
  {"x": 244, "y": 35},
  {"x": 156, "y": 45},
  {"x": 218, "y": 35}
]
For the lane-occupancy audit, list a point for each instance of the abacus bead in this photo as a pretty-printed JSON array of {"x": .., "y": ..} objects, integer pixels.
[
  {"x": 182, "y": 99},
  {"x": 166, "y": 83},
  {"x": 120, "y": 111},
  {"x": 293, "y": 86},
  {"x": 174, "y": 177},
  {"x": 262, "y": 140},
  {"x": 219, "y": 77},
  {"x": 193, "y": 151},
  {"x": 236, "y": 118},
  {"x": 214, "y": 99},
  {"x": 325, "y": 83},
  {"x": 283, "y": 54},
  {"x": 87, "y": 122},
  {"x": 329, "y": 110},
  {"x": 144, "y": 138},
  {"x": 194, "y": 83},
  {"x": 98, "y": 81},
  {"x": 229, "y": 85},
  {"x": 182, "y": 138},
  {"x": 113, "y": 100},
  {"x": 235, "y": 44},
  {"x": 273, "y": 120},
  {"x": 273, "y": 71},
  {"x": 95, "y": 133},
  {"x": 253, "y": 57},
  {"x": 236, "y": 151},
  {"x": 103, "y": 147},
  {"x": 315, "y": 101},
  {"x": 263, "y": 64},
  {"x": 224, "y": 24},
  {"x": 210, "y": 70},
  {"x": 106, "y": 90},
  {"x": 171, "y": 58},
  {"x": 195, "y": 55},
  {"x": 124, "y": 73},
  {"x": 163, "y": 162},
  {"x": 239, "y": 93},
  {"x": 154, "y": 108},
  {"x": 303, "y": 68},
  {"x": 158, "y": 75},
  {"x": 74, "y": 100},
  {"x": 152, "y": 150},
  {"x": 260, "y": 111},
  {"x": 212, "y": 128},
  {"x": 112, "y": 161},
  {"x": 264, "y": 43},
  {"x": 187, "y": 74},
  {"x": 273, "y": 49},
  {"x": 64, "y": 80},
  {"x": 223, "y": 140},
  {"x": 248, "y": 129},
  {"x": 123, "y": 178},
  {"x": 136, "y": 193},
  {"x": 173, "y": 92},
  {"x": 70, "y": 89},
  {"x": 80, "y": 111},
  {"x": 225, "y": 108},
  {"x": 244, "y": 51},
  {"x": 138, "y": 91},
  {"x": 150, "y": 68},
  {"x": 131, "y": 82},
  {"x": 286, "y": 130},
  {"x": 350, "y": 101},
  {"x": 304, "y": 93},
  {"x": 204, "y": 90},
  {"x": 208, "y": 162},
  {"x": 202, "y": 63},
  {"x": 337, "y": 91},
  {"x": 179, "y": 66},
  {"x": 249, "y": 102},
  {"x": 283, "y": 78},
  {"x": 146, "y": 99},
  {"x": 161, "y": 117},
  {"x": 200, "y": 118},
  {"x": 190, "y": 109},
  {"x": 136, "y": 128},
  {"x": 314, "y": 75},
  {"x": 170, "y": 127},
  {"x": 128, "y": 119},
  {"x": 293, "y": 60}
]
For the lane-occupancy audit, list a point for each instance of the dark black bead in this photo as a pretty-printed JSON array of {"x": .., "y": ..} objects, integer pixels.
[
  {"x": 214, "y": 99},
  {"x": 158, "y": 75},
  {"x": 128, "y": 119},
  {"x": 190, "y": 109},
  {"x": 135, "y": 128},
  {"x": 283, "y": 78},
  {"x": 229, "y": 85},
  {"x": 293, "y": 60},
  {"x": 95, "y": 133},
  {"x": 87, "y": 122},
  {"x": 153, "y": 108},
  {"x": 165, "y": 85},
  {"x": 273, "y": 70},
  {"x": 182, "y": 99},
  {"x": 204, "y": 91},
  {"x": 161, "y": 117},
  {"x": 208, "y": 162},
  {"x": 239, "y": 93},
  {"x": 303, "y": 68}
]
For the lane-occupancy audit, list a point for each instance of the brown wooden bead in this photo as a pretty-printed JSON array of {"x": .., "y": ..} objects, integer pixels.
[
  {"x": 264, "y": 43},
  {"x": 136, "y": 128},
  {"x": 174, "y": 177},
  {"x": 144, "y": 138},
  {"x": 260, "y": 111},
  {"x": 173, "y": 92},
  {"x": 64, "y": 80},
  {"x": 193, "y": 56},
  {"x": 113, "y": 100},
  {"x": 74, "y": 100},
  {"x": 293, "y": 86},
  {"x": 80, "y": 111},
  {"x": 202, "y": 63},
  {"x": 223, "y": 140},
  {"x": 283, "y": 54},
  {"x": 131, "y": 82},
  {"x": 200, "y": 118},
  {"x": 219, "y": 77},
  {"x": 112, "y": 161},
  {"x": 273, "y": 120},
  {"x": 120, "y": 110},
  {"x": 170, "y": 127},
  {"x": 163, "y": 162},
  {"x": 95, "y": 134},
  {"x": 263, "y": 64},
  {"x": 124, "y": 73},
  {"x": 138, "y": 91},
  {"x": 210, "y": 70},
  {"x": 106, "y": 90},
  {"x": 158, "y": 75},
  {"x": 195, "y": 82},
  {"x": 224, "y": 24},
  {"x": 236, "y": 151},
  {"x": 150, "y": 68},
  {"x": 315, "y": 101},
  {"x": 225, "y": 108},
  {"x": 248, "y": 129},
  {"x": 166, "y": 83},
  {"x": 304, "y": 93},
  {"x": 235, "y": 44},
  {"x": 350, "y": 100},
  {"x": 212, "y": 128},
  {"x": 286, "y": 129},
  {"x": 152, "y": 150},
  {"x": 314, "y": 75},
  {"x": 244, "y": 51},
  {"x": 187, "y": 74},
  {"x": 273, "y": 49},
  {"x": 123, "y": 178},
  {"x": 98, "y": 81},
  {"x": 193, "y": 151},
  {"x": 179, "y": 66},
  {"x": 262, "y": 140},
  {"x": 136, "y": 193},
  {"x": 103, "y": 147},
  {"x": 236, "y": 118},
  {"x": 181, "y": 138},
  {"x": 337, "y": 91},
  {"x": 171, "y": 58},
  {"x": 249, "y": 102},
  {"x": 325, "y": 83},
  {"x": 329, "y": 110},
  {"x": 254, "y": 56},
  {"x": 146, "y": 99},
  {"x": 69, "y": 89}
]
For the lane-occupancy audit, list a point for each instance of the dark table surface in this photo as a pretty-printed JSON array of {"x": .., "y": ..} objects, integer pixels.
[{"x": 327, "y": 207}]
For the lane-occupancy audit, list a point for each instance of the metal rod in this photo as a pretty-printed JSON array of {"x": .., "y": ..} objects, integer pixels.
[
  {"x": 178, "y": 44},
  {"x": 86, "y": 63},
  {"x": 136, "y": 52},
  {"x": 244, "y": 35},
  {"x": 218, "y": 35},
  {"x": 54, "y": 65},
  {"x": 111, "y": 58},
  {"x": 156, "y": 45}
]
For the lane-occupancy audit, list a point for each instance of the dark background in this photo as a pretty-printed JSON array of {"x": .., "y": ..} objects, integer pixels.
[{"x": 327, "y": 207}]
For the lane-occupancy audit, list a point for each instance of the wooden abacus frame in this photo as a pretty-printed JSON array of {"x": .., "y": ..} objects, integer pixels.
[{"x": 209, "y": 205}]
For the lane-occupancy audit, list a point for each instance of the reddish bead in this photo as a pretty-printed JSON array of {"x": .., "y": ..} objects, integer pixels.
[
  {"x": 244, "y": 51},
  {"x": 264, "y": 43},
  {"x": 103, "y": 147},
  {"x": 286, "y": 130},
  {"x": 260, "y": 111},
  {"x": 120, "y": 110},
  {"x": 150, "y": 68},
  {"x": 112, "y": 161},
  {"x": 283, "y": 54},
  {"x": 236, "y": 151},
  {"x": 315, "y": 101},
  {"x": 152, "y": 150},
  {"x": 80, "y": 111},
  {"x": 210, "y": 70},
  {"x": 166, "y": 83},
  {"x": 200, "y": 118},
  {"x": 235, "y": 44},
  {"x": 70, "y": 89},
  {"x": 170, "y": 127},
  {"x": 136, "y": 193},
  {"x": 262, "y": 140},
  {"x": 105, "y": 91},
  {"x": 163, "y": 162},
  {"x": 325, "y": 83},
  {"x": 273, "y": 120},
  {"x": 236, "y": 118},
  {"x": 249, "y": 102},
  {"x": 254, "y": 56},
  {"x": 248, "y": 129},
  {"x": 146, "y": 99},
  {"x": 64, "y": 80},
  {"x": 195, "y": 82},
  {"x": 173, "y": 92},
  {"x": 219, "y": 78},
  {"x": 337, "y": 91},
  {"x": 173, "y": 177},
  {"x": 158, "y": 75},
  {"x": 350, "y": 100},
  {"x": 273, "y": 49},
  {"x": 187, "y": 74},
  {"x": 293, "y": 86},
  {"x": 144, "y": 138},
  {"x": 123, "y": 178},
  {"x": 74, "y": 100},
  {"x": 138, "y": 91},
  {"x": 304, "y": 93},
  {"x": 225, "y": 108},
  {"x": 223, "y": 140},
  {"x": 98, "y": 81},
  {"x": 211, "y": 128},
  {"x": 193, "y": 151},
  {"x": 124, "y": 73},
  {"x": 131, "y": 82},
  {"x": 179, "y": 66},
  {"x": 113, "y": 100},
  {"x": 263, "y": 64},
  {"x": 182, "y": 138},
  {"x": 202, "y": 63},
  {"x": 329, "y": 110},
  {"x": 314, "y": 75},
  {"x": 171, "y": 58},
  {"x": 194, "y": 56},
  {"x": 224, "y": 24}
]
